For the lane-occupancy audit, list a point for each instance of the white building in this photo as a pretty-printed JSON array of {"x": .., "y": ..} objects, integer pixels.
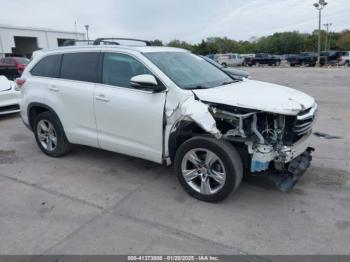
[{"x": 16, "y": 41}]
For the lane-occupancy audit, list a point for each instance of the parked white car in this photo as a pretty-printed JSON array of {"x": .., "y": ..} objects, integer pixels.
[
  {"x": 344, "y": 58},
  {"x": 229, "y": 59},
  {"x": 9, "y": 97},
  {"x": 168, "y": 106}
]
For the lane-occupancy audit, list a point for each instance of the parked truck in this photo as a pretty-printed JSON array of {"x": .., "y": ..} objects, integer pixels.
[
  {"x": 303, "y": 59},
  {"x": 263, "y": 59}
]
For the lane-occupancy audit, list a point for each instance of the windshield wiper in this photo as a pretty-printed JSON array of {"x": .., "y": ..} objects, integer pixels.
[
  {"x": 228, "y": 82},
  {"x": 199, "y": 87}
]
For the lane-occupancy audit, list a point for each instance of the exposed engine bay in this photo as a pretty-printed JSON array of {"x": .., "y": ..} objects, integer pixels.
[{"x": 276, "y": 144}]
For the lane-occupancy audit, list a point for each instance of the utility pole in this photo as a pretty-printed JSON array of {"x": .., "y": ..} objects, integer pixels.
[
  {"x": 76, "y": 29},
  {"x": 87, "y": 32},
  {"x": 327, "y": 25},
  {"x": 319, "y": 6}
]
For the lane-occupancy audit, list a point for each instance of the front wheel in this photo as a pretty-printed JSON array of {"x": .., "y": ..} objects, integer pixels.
[{"x": 208, "y": 169}]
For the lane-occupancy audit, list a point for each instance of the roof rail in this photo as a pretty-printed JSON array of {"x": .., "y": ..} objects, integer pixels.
[{"x": 110, "y": 40}]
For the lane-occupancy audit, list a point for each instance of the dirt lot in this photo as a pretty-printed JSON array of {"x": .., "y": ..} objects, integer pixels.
[{"x": 97, "y": 202}]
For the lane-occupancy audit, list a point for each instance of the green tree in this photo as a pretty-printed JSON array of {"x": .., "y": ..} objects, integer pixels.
[
  {"x": 343, "y": 41},
  {"x": 278, "y": 43},
  {"x": 156, "y": 42}
]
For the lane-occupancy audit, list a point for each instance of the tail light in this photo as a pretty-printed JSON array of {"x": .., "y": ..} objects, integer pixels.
[
  {"x": 20, "y": 82},
  {"x": 20, "y": 68}
]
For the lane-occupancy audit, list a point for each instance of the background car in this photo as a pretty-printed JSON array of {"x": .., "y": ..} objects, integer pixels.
[
  {"x": 302, "y": 59},
  {"x": 229, "y": 59},
  {"x": 263, "y": 59},
  {"x": 330, "y": 57},
  {"x": 12, "y": 67},
  {"x": 344, "y": 58},
  {"x": 9, "y": 97},
  {"x": 235, "y": 73}
]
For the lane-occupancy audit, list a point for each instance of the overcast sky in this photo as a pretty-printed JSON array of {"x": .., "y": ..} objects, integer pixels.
[{"x": 189, "y": 20}]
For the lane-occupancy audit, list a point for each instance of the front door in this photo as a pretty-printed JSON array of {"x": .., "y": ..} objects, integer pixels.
[{"x": 129, "y": 120}]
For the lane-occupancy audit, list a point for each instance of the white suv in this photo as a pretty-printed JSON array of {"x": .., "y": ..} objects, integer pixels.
[
  {"x": 229, "y": 59},
  {"x": 168, "y": 106}
]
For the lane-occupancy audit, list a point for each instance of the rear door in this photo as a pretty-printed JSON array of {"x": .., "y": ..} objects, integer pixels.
[
  {"x": 129, "y": 120},
  {"x": 71, "y": 96}
]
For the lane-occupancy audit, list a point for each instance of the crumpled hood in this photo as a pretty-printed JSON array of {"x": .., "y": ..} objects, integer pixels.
[{"x": 258, "y": 95}]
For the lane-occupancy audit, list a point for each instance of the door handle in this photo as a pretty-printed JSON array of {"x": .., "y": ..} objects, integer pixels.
[
  {"x": 102, "y": 98},
  {"x": 54, "y": 88}
]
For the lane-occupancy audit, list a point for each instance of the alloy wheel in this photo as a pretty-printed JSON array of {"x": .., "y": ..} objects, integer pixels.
[
  {"x": 47, "y": 135},
  {"x": 203, "y": 171}
]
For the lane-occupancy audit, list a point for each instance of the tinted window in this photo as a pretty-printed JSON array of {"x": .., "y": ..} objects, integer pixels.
[
  {"x": 80, "y": 66},
  {"x": 118, "y": 69},
  {"x": 49, "y": 66}
]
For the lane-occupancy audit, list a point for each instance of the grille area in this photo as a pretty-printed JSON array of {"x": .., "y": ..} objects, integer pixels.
[{"x": 304, "y": 121}]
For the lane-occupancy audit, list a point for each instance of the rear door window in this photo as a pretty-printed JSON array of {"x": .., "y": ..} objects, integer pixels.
[
  {"x": 80, "y": 66},
  {"x": 49, "y": 66}
]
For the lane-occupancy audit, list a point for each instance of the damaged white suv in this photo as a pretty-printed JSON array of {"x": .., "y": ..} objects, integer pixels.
[{"x": 168, "y": 106}]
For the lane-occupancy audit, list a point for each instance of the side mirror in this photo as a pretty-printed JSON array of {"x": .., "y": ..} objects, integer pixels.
[{"x": 148, "y": 82}]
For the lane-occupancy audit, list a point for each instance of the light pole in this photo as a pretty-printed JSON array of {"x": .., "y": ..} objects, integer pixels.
[
  {"x": 87, "y": 31},
  {"x": 319, "y": 6},
  {"x": 327, "y": 26}
]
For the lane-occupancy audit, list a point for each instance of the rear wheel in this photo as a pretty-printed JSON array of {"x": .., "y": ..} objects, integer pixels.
[
  {"x": 49, "y": 135},
  {"x": 224, "y": 64},
  {"x": 208, "y": 169}
]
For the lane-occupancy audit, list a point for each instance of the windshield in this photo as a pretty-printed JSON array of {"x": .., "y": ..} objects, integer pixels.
[{"x": 189, "y": 71}]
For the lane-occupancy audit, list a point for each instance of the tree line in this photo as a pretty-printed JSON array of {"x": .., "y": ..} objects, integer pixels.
[{"x": 278, "y": 43}]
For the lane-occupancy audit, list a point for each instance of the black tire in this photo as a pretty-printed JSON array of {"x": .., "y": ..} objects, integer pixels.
[
  {"x": 224, "y": 64},
  {"x": 227, "y": 154},
  {"x": 62, "y": 144},
  {"x": 347, "y": 63}
]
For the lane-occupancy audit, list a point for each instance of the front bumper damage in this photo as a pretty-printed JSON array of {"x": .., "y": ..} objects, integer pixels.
[
  {"x": 285, "y": 180},
  {"x": 266, "y": 152},
  {"x": 288, "y": 164},
  {"x": 262, "y": 154}
]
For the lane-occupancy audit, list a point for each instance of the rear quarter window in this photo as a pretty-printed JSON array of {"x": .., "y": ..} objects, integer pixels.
[
  {"x": 49, "y": 66},
  {"x": 80, "y": 66}
]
